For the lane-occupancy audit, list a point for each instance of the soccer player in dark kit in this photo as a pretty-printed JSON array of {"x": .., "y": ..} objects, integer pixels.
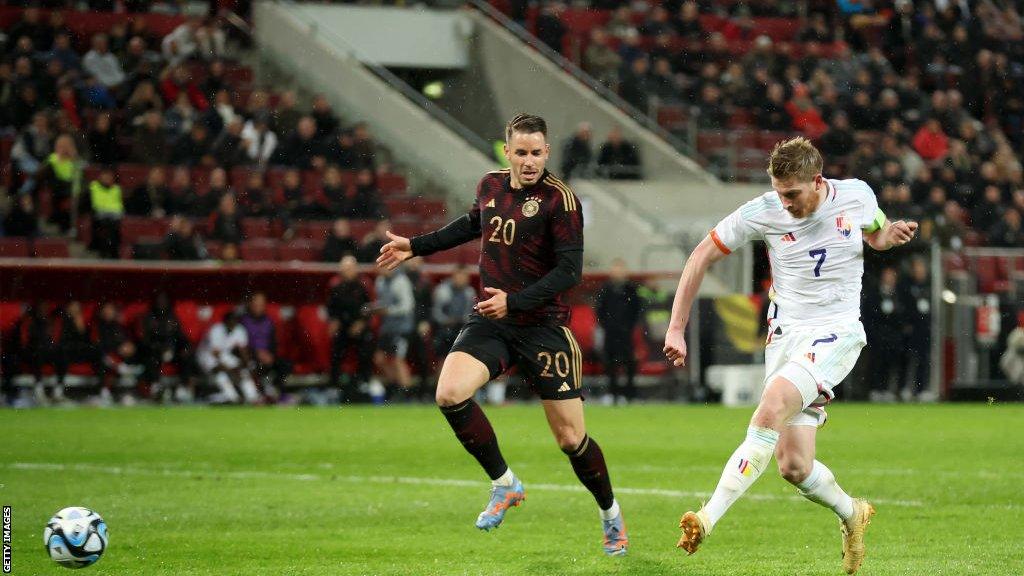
[{"x": 531, "y": 235}]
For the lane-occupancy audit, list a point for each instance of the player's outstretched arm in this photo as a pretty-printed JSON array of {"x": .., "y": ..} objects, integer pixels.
[
  {"x": 892, "y": 234},
  {"x": 398, "y": 250},
  {"x": 703, "y": 256}
]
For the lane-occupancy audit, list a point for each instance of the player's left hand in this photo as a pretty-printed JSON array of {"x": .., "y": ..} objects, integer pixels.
[
  {"x": 495, "y": 307},
  {"x": 902, "y": 232}
]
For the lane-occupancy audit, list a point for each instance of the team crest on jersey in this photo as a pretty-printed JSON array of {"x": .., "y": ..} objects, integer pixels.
[
  {"x": 843, "y": 226},
  {"x": 531, "y": 206}
]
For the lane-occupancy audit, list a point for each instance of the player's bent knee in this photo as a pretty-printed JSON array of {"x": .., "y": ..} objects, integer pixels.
[
  {"x": 569, "y": 440},
  {"x": 794, "y": 470}
]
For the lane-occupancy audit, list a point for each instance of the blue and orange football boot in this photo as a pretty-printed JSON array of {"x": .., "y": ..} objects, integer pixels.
[
  {"x": 615, "y": 539},
  {"x": 502, "y": 498}
]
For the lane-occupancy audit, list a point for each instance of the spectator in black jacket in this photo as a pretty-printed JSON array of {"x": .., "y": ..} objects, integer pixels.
[
  {"x": 118, "y": 350},
  {"x": 339, "y": 243},
  {"x": 22, "y": 219},
  {"x": 164, "y": 343},
  {"x": 618, "y": 311},
  {"x": 618, "y": 158},
  {"x": 838, "y": 141},
  {"x": 349, "y": 329},
  {"x": 194, "y": 148},
  {"x": 182, "y": 242},
  {"x": 150, "y": 198},
  {"x": 578, "y": 154},
  {"x": 302, "y": 149},
  {"x": 76, "y": 344},
  {"x": 915, "y": 296},
  {"x": 885, "y": 322},
  {"x": 227, "y": 222},
  {"x": 103, "y": 141}
]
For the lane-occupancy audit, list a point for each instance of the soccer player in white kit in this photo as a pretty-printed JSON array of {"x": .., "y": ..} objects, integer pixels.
[{"x": 814, "y": 228}]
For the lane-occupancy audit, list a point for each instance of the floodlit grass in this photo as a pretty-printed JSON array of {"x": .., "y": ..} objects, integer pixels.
[{"x": 390, "y": 491}]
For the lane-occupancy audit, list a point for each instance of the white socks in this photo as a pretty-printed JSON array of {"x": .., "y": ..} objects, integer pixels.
[
  {"x": 505, "y": 479},
  {"x": 821, "y": 487},
  {"x": 744, "y": 467},
  {"x": 612, "y": 512}
]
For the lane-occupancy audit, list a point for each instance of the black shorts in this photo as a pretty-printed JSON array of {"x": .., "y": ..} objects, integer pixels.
[{"x": 548, "y": 357}]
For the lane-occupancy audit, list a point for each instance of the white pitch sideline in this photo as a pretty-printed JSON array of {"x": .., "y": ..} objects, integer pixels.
[{"x": 383, "y": 480}]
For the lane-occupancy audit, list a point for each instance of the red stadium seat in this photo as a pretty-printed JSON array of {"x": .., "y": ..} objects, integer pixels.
[
  {"x": 51, "y": 248},
  {"x": 300, "y": 250},
  {"x": 254, "y": 228},
  {"x": 260, "y": 250},
  {"x": 135, "y": 227},
  {"x": 15, "y": 248},
  {"x": 129, "y": 176}
]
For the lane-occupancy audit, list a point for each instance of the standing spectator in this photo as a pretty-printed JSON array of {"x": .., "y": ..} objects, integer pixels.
[
  {"x": 397, "y": 305},
  {"x": 917, "y": 305},
  {"x": 885, "y": 322},
  {"x": 349, "y": 329},
  {"x": 618, "y": 158},
  {"x": 226, "y": 222},
  {"x": 618, "y": 310},
  {"x": 103, "y": 141},
  {"x": 600, "y": 60},
  {"x": 578, "y": 154},
  {"x": 453, "y": 303},
  {"x": 107, "y": 205},
  {"x": 339, "y": 243},
  {"x": 263, "y": 345},
  {"x": 22, "y": 220},
  {"x": 62, "y": 172},
  {"x": 31, "y": 148},
  {"x": 224, "y": 356},
  {"x": 150, "y": 198},
  {"x": 102, "y": 64}
]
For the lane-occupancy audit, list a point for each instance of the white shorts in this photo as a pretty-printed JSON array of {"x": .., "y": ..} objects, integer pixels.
[
  {"x": 209, "y": 362},
  {"x": 815, "y": 359}
]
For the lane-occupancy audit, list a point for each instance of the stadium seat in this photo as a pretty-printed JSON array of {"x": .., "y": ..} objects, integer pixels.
[
  {"x": 300, "y": 250},
  {"x": 51, "y": 248},
  {"x": 15, "y": 248},
  {"x": 260, "y": 250},
  {"x": 254, "y": 228}
]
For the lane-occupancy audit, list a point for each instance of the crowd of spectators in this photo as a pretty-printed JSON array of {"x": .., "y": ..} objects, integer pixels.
[
  {"x": 923, "y": 100},
  {"x": 182, "y": 105},
  {"x": 617, "y": 159}
]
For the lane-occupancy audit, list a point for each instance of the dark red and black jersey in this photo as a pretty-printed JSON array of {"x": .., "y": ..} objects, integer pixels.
[{"x": 521, "y": 233}]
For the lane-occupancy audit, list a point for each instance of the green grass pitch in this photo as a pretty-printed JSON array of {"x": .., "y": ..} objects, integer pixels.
[{"x": 389, "y": 491}]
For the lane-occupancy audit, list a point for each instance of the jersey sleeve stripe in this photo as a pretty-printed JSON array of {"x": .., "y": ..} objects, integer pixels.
[
  {"x": 718, "y": 242},
  {"x": 568, "y": 198}
]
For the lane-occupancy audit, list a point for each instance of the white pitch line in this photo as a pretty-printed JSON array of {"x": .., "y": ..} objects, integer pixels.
[{"x": 252, "y": 474}]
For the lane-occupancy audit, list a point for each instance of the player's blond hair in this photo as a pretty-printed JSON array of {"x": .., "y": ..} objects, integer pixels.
[{"x": 795, "y": 158}]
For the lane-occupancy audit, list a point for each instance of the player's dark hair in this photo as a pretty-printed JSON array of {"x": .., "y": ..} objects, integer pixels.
[{"x": 525, "y": 124}]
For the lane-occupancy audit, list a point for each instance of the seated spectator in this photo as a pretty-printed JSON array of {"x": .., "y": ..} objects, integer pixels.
[
  {"x": 665, "y": 83},
  {"x": 285, "y": 117},
  {"x": 348, "y": 328},
  {"x": 301, "y": 149},
  {"x": 64, "y": 52},
  {"x": 119, "y": 353},
  {"x": 339, "y": 243},
  {"x": 369, "y": 248},
  {"x": 181, "y": 116},
  {"x": 1008, "y": 232},
  {"x": 300, "y": 204},
  {"x": 263, "y": 345},
  {"x": 365, "y": 147},
  {"x": 327, "y": 122},
  {"x": 102, "y": 65},
  {"x": 62, "y": 174},
  {"x": 334, "y": 190},
  {"x": 550, "y": 29},
  {"x": 618, "y": 158},
  {"x": 453, "y": 303},
  {"x": 182, "y": 242},
  {"x": 229, "y": 149},
  {"x": 259, "y": 141},
  {"x": 151, "y": 197},
  {"x": 990, "y": 210},
  {"x": 180, "y": 194},
  {"x": 930, "y": 141},
  {"x": 38, "y": 348},
  {"x": 712, "y": 108},
  {"x": 578, "y": 154},
  {"x": 143, "y": 99},
  {"x": 180, "y": 44},
  {"x": 194, "y": 148},
  {"x": 164, "y": 342},
  {"x": 76, "y": 344},
  {"x": 687, "y": 24},
  {"x": 805, "y": 116},
  {"x": 103, "y": 141},
  {"x": 150, "y": 142},
  {"x": 341, "y": 151},
  {"x": 221, "y": 113},
  {"x": 22, "y": 220},
  {"x": 107, "y": 207},
  {"x": 636, "y": 86},
  {"x": 364, "y": 202},
  {"x": 224, "y": 356},
  {"x": 226, "y": 222},
  {"x": 216, "y": 80},
  {"x": 178, "y": 80},
  {"x": 230, "y": 253},
  {"x": 138, "y": 59},
  {"x": 257, "y": 199},
  {"x": 861, "y": 112},
  {"x": 773, "y": 114},
  {"x": 31, "y": 148},
  {"x": 838, "y": 141}
]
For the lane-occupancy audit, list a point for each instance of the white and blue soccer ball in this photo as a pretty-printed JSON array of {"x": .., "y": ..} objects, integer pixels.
[{"x": 75, "y": 537}]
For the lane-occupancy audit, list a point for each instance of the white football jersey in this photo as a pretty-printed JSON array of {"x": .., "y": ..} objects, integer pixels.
[{"x": 817, "y": 262}]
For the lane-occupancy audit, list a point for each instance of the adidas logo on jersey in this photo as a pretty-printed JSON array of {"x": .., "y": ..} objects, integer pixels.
[
  {"x": 789, "y": 237},
  {"x": 491, "y": 203},
  {"x": 564, "y": 387}
]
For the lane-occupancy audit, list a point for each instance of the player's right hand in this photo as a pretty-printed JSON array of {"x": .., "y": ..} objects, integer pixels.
[
  {"x": 394, "y": 252},
  {"x": 675, "y": 347}
]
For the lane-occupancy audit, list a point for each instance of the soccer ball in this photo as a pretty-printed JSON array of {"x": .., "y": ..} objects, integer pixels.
[{"x": 75, "y": 537}]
